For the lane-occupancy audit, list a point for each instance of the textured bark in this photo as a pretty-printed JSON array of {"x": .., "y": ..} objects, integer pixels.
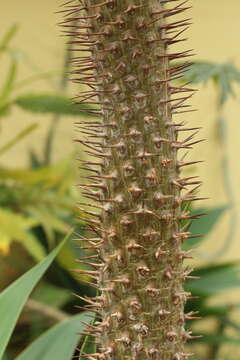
[{"x": 135, "y": 180}]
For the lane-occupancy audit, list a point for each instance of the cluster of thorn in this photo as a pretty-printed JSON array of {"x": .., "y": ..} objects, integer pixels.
[{"x": 137, "y": 197}]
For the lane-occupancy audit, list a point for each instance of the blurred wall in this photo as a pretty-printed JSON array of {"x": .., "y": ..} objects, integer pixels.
[{"x": 212, "y": 35}]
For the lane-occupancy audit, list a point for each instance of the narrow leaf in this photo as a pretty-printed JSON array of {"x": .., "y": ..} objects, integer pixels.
[
  {"x": 201, "y": 72},
  {"x": 21, "y": 135},
  {"x": 205, "y": 224},
  {"x": 59, "y": 342},
  {"x": 8, "y": 37},
  {"x": 13, "y": 298},
  {"x": 20, "y": 232},
  {"x": 223, "y": 75},
  {"x": 218, "y": 339},
  {"x": 88, "y": 347},
  {"x": 8, "y": 84},
  {"x": 51, "y": 295},
  {"x": 49, "y": 103},
  {"x": 209, "y": 283}
]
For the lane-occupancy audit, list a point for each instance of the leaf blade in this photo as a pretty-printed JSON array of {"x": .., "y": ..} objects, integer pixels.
[
  {"x": 209, "y": 284},
  {"x": 50, "y": 103},
  {"x": 20, "y": 232},
  {"x": 204, "y": 224},
  {"x": 8, "y": 37},
  {"x": 59, "y": 342},
  {"x": 19, "y": 292},
  {"x": 21, "y": 135}
]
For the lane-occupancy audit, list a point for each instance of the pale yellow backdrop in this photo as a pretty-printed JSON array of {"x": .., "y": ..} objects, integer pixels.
[{"x": 215, "y": 37}]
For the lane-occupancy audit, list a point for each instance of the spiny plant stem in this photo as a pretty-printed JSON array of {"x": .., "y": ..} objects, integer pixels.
[{"x": 135, "y": 230}]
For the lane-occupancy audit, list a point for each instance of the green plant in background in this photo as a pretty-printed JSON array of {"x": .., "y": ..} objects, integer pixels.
[
  {"x": 39, "y": 221},
  {"x": 62, "y": 338},
  {"x": 42, "y": 221},
  {"x": 40, "y": 200},
  {"x": 224, "y": 76}
]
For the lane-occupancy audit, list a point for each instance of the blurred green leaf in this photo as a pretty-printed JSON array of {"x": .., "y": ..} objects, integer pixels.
[
  {"x": 214, "y": 279},
  {"x": 9, "y": 82},
  {"x": 88, "y": 347},
  {"x": 16, "y": 227},
  {"x": 201, "y": 72},
  {"x": 215, "y": 311},
  {"x": 27, "y": 176},
  {"x": 51, "y": 295},
  {"x": 50, "y": 103},
  {"x": 34, "y": 161},
  {"x": 204, "y": 224},
  {"x": 7, "y": 88},
  {"x": 14, "y": 297},
  {"x": 21, "y": 135},
  {"x": 31, "y": 79},
  {"x": 4, "y": 109},
  {"x": 67, "y": 259},
  {"x": 51, "y": 174},
  {"x": 49, "y": 221},
  {"x": 227, "y": 76},
  {"x": 223, "y": 75},
  {"x": 231, "y": 324},
  {"x": 8, "y": 37},
  {"x": 5, "y": 357},
  {"x": 59, "y": 342},
  {"x": 218, "y": 339}
]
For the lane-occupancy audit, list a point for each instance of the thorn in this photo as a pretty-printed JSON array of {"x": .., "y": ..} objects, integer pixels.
[
  {"x": 182, "y": 163},
  {"x": 191, "y": 315},
  {"x": 187, "y": 336}
]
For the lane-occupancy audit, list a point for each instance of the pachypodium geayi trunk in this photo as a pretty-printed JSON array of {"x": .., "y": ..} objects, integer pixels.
[{"x": 134, "y": 176}]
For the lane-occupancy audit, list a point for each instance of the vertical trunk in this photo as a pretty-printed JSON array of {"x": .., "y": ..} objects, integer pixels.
[{"x": 136, "y": 177}]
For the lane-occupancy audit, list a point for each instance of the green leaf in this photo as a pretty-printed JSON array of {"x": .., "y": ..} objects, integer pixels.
[
  {"x": 214, "y": 279},
  {"x": 13, "y": 298},
  {"x": 50, "y": 103},
  {"x": 201, "y": 71},
  {"x": 231, "y": 324},
  {"x": 215, "y": 311},
  {"x": 204, "y": 224},
  {"x": 59, "y": 342},
  {"x": 34, "y": 161},
  {"x": 88, "y": 346},
  {"x": 46, "y": 218},
  {"x": 218, "y": 339},
  {"x": 67, "y": 259},
  {"x": 49, "y": 221},
  {"x": 51, "y": 295},
  {"x": 5, "y": 357},
  {"x": 19, "y": 232},
  {"x": 4, "y": 109},
  {"x": 223, "y": 75},
  {"x": 21, "y": 135},
  {"x": 51, "y": 174},
  {"x": 29, "y": 80},
  {"x": 228, "y": 74},
  {"x": 8, "y": 86},
  {"x": 8, "y": 37}
]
